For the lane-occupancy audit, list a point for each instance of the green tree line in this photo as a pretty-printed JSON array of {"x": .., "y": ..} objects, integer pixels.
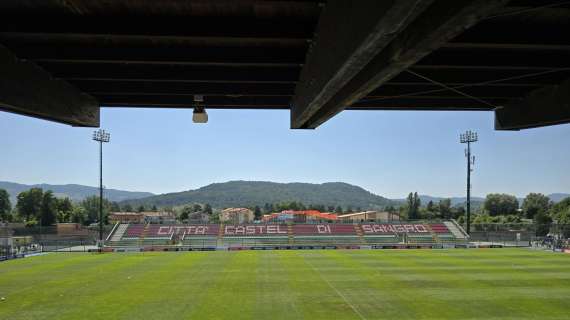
[{"x": 38, "y": 207}]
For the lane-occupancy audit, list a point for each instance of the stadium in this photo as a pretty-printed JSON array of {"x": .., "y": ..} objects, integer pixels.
[
  {"x": 284, "y": 236},
  {"x": 388, "y": 270},
  {"x": 318, "y": 64}
]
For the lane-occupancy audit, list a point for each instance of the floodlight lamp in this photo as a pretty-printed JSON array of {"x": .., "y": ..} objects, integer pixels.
[
  {"x": 199, "y": 115},
  {"x": 468, "y": 136},
  {"x": 101, "y": 136}
]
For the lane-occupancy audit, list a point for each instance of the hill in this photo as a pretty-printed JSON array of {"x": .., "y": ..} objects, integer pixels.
[
  {"x": 75, "y": 192},
  {"x": 252, "y": 193},
  {"x": 460, "y": 201},
  {"x": 557, "y": 197},
  {"x": 455, "y": 201}
]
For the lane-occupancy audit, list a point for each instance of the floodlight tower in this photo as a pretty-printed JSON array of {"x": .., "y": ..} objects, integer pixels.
[
  {"x": 101, "y": 136},
  {"x": 468, "y": 137}
]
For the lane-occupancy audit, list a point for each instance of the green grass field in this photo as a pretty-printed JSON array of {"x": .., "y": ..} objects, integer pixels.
[{"x": 328, "y": 284}]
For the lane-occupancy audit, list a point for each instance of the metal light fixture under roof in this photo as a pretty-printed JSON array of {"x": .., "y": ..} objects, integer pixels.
[{"x": 199, "y": 115}]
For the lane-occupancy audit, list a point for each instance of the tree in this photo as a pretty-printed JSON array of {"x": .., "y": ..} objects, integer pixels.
[
  {"x": 268, "y": 208},
  {"x": 413, "y": 206},
  {"x": 534, "y": 203},
  {"x": 127, "y": 208},
  {"x": 294, "y": 206},
  {"x": 30, "y": 203},
  {"x": 141, "y": 208},
  {"x": 115, "y": 207},
  {"x": 208, "y": 209},
  {"x": 445, "y": 208},
  {"x": 257, "y": 213},
  {"x": 458, "y": 212},
  {"x": 330, "y": 208},
  {"x": 5, "y": 206},
  {"x": 185, "y": 214},
  {"x": 338, "y": 210},
  {"x": 563, "y": 221},
  {"x": 48, "y": 212},
  {"x": 501, "y": 204},
  {"x": 154, "y": 208},
  {"x": 561, "y": 213},
  {"x": 560, "y": 207},
  {"x": 197, "y": 207},
  {"x": 91, "y": 206},
  {"x": 542, "y": 222},
  {"x": 78, "y": 215},
  {"x": 64, "y": 208},
  {"x": 430, "y": 206}
]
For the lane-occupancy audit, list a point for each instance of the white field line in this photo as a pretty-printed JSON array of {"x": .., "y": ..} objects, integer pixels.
[{"x": 337, "y": 291}]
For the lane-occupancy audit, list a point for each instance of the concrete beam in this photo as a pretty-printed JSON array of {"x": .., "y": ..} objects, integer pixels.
[
  {"x": 549, "y": 105},
  {"x": 27, "y": 89},
  {"x": 349, "y": 34},
  {"x": 334, "y": 78}
]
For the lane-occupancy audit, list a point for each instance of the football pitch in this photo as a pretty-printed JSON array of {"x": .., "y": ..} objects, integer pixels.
[{"x": 303, "y": 284}]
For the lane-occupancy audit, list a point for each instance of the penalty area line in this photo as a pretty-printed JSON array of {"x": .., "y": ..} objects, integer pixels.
[{"x": 337, "y": 291}]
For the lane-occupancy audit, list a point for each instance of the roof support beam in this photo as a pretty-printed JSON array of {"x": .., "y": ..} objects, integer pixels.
[
  {"x": 549, "y": 105},
  {"x": 361, "y": 46},
  {"x": 349, "y": 34},
  {"x": 27, "y": 89}
]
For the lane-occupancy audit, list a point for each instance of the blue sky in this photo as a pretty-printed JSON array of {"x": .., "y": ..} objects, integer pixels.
[{"x": 389, "y": 153}]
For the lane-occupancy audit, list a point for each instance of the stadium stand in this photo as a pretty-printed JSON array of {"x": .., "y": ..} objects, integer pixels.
[
  {"x": 245, "y": 236},
  {"x": 235, "y": 236},
  {"x": 442, "y": 233},
  {"x": 194, "y": 236},
  {"x": 325, "y": 235},
  {"x": 377, "y": 234},
  {"x": 456, "y": 230}
]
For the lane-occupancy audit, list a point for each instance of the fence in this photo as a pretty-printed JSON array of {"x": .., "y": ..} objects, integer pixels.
[{"x": 24, "y": 240}]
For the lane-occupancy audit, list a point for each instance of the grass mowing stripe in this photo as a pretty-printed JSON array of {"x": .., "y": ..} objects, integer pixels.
[
  {"x": 156, "y": 275},
  {"x": 63, "y": 289},
  {"x": 315, "y": 284},
  {"x": 55, "y": 273},
  {"x": 181, "y": 292},
  {"x": 335, "y": 289},
  {"x": 217, "y": 297}
]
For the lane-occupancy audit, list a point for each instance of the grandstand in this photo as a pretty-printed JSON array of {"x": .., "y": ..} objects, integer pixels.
[{"x": 284, "y": 236}]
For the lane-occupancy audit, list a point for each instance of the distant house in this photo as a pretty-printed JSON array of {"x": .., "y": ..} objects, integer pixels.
[
  {"x": 369, "y": 216},
  {"x": 300, "y": 216},
  {"x": 142, "y": 217},
  {"x": 237, "y": 215},
  {"x": 126, "y": 217},
  {"x": 71, "y": 229},
  {"x": 161, "y": 217},
  {"x": 198, "y": 218}
]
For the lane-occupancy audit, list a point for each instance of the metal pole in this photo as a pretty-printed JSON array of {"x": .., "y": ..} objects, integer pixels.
[
  {"x": 467, "y": 138},
  {"x": 468, "y": 187},
  {"x": 101, "y": 136},
  {"x": 101, "y": 192}
]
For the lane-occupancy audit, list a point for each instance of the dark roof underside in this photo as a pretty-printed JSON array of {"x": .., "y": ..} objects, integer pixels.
[{"x": 249, "y": 54}]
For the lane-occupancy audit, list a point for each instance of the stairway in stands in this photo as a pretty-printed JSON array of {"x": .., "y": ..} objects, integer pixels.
[
  {"x": 219, "y": 242},
  {"x": 121, "y": 229},
  {"x": 144, "y": 233},
  {"x": 290, "y": 233},
  {"x": 359, "y": 233},
  {"x": 456, "y": 230}
]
